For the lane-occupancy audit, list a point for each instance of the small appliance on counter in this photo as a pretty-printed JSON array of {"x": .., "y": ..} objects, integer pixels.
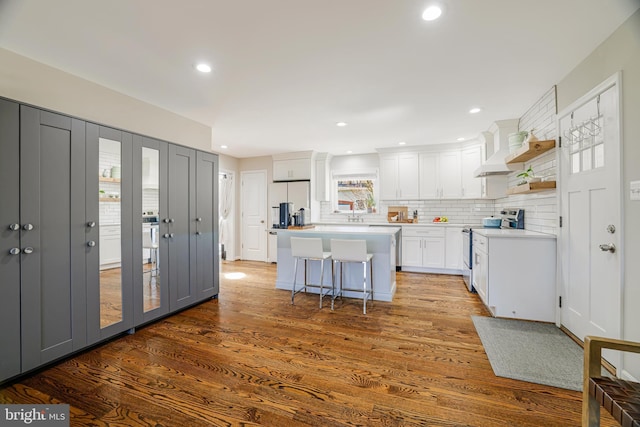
[
  {"x": 299, "y": 218},
  {"x": 286, "y": 209},
  {"x": 275, "y": 216},
  {"x": 512, "y": 218},
  {"x": 491, "y": 222}
]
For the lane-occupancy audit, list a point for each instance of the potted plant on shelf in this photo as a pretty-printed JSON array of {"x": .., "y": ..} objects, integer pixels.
[
  {"x": 527, "y": 176},
  {"x": 371, "y": 204}
]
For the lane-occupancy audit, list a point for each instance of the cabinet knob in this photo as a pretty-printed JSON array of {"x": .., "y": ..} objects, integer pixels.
[
  {"x": 14, "y": 251},
  {"x": 166, "y": 220},
  {"x": 171, "y": 220},
  {"x": 91, "y": 224},
  {"x": 199, "y": 219},
  {"x": 198, "y": 233},
  {"x": 91, "y": 243},
  {"x": 27, "y": 227},
  {"x": 171, "y": 235},
  {"x": 166, "y": 235},
  {"x": 14, "y": 227},
  {"x": 28, "y": 250},
  {"x": 608, "y": 247}
]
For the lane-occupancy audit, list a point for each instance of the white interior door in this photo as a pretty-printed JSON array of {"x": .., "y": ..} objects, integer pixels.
[
  {"x": 254, "y": 216},
  {"x": 590, "y": 202}
]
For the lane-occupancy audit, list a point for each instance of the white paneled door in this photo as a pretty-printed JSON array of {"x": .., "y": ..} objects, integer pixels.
[
  {"x": 590, "y": 246},
  {"x": 254, "y": 215}
]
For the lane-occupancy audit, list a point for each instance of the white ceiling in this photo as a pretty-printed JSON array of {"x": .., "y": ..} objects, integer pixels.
[{"x": 285, "y": 71}]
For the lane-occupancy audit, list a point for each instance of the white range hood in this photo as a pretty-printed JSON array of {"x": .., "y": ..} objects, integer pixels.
[{"x": 497, "y": 145}]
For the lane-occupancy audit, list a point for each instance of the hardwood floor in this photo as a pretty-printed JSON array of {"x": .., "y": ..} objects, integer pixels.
[{"x": 251, "y": 358}]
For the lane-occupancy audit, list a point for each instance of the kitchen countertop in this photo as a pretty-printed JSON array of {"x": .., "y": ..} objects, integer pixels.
[
  {"x": 401, "y": 224},
  {"x": 342, "y": 229},
  {"x": 509, "y": 232}
]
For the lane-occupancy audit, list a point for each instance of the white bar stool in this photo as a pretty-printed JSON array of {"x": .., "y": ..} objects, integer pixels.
[
  {"x": 353, "y": 251},
  {"x": 148, "y": 243},
  {"x": 309, "y": 249}
]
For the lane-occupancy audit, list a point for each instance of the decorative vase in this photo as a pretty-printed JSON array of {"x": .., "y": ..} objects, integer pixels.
[{"x": 516, "y": 139}]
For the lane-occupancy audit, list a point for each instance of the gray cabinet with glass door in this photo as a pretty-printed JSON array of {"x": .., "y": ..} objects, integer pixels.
[
  {"x": 150, "y": 255},
  {"x": 109, "y": 198}
]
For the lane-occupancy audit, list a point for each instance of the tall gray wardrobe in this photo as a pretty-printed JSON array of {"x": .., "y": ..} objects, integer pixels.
[{"x": 101, "y": 231}]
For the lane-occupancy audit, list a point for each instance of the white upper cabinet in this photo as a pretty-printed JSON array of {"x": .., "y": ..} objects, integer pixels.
[
  {"x": 323, "y": 177},
  {"x": 293, "y": 166},
  {"x": 399, "y": 176},
  {"x": 471, "y": 159},
  {"x": 450, "y": 177},
  {"x": 429, "y": 179},
  {"x": 440, "y": 175}
]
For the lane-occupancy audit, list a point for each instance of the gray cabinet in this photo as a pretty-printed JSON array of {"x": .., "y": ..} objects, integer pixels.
[
  {"x": 53, "y": 241},
  {"x": 10, "y": 248},
  {"x": 150, "y": 195},
  {"x": 181, "y": 227},
  {"x": 207, "y": 261},
  {"x": 65, "y": 180},
  {"x": 108, "y": 229}
]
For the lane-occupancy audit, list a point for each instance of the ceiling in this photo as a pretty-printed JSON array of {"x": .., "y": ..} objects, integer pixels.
[{"x": 286, "y": 71}]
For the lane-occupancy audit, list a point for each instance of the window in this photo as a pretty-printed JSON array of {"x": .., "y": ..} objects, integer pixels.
[{"x": 356, "y": 192}]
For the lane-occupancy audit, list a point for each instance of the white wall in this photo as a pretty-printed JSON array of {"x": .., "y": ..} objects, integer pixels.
[
  {"x": 621, "y": 51},
  {"x": 31, "y": 82},
  {"x": 540, "y": 209}
]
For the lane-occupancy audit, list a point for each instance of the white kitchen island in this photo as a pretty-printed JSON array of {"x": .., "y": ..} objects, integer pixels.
[{"x": 381, "y": 242}]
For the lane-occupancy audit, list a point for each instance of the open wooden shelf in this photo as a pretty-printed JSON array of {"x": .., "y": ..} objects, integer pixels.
[
  {"x": 530, "y": 150},
  {"x": 109, "y": 199},
  {"x": 532, "y": 187},
  {"x": 104, "y": 179}
]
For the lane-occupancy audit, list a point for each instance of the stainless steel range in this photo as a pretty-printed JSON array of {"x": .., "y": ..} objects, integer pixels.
[{"x": 512, "y": 218}]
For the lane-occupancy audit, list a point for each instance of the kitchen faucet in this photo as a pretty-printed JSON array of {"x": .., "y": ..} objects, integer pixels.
[{"x": 354, "y": 218}]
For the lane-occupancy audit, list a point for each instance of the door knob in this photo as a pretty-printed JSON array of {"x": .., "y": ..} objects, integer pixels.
[
  {"x": 91, "y": 243},
  {"x": 608, "y": 247},
  {"x": 14, "y": 251},
  {"x": 27, "y": 227},
  {"x": 14, "y": 227},
  {"x": 28, "y": 250}
]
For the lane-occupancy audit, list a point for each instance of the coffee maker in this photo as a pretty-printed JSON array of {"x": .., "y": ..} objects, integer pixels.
[{"x": 286, "y": 208}]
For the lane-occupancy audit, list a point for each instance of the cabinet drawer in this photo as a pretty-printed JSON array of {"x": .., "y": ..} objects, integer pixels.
[
  {"x": 480, "y": 242},
  {"x": 423, "y": 231}
]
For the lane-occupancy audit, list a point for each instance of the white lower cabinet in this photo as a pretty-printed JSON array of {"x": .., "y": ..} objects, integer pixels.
[
  {"x": 516, "y": 276},
  {"x": 453, "y": 248},
  {"x": 423, "y": 247},
  {"x": 480, "y": 267},
  {"x": 110, "y": 246}
]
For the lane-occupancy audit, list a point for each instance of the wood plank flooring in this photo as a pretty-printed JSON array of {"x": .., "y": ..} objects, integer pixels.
[{"x": 251, "y": 358}]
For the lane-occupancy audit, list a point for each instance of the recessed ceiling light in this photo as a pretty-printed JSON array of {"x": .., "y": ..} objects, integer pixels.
[
  {"x": 475, "y": 110},
  {"x": 349, "y": 152},
  {"x": 401, "y": 143},
  {"x": 432, "y": 13},
  {"x": 341, "y": 124},
  {"x": 460, "y": 139},
  {"x": 203, "y": 68},
  {"x": 224, "y": 146}
]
